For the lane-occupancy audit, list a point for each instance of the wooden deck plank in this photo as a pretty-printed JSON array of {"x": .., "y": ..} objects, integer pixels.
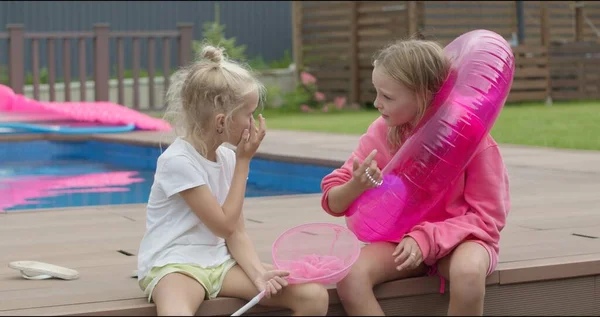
[
  {"x": 590, "y": 232},
  {"x": 117, "y": 307},
  {"x": 536, "y": 237},
  {"x": 556, "y": 267},
  {"x": 78, "y": 260},
  {"x": 105, "y": 283},
  {"x": 89, "y": 232},
  {"x": 549, "y": 250},
  {"x": 92, "y": 263},
  {"x": 581, "y": 220},
  {"x": 62, "y": 250}
]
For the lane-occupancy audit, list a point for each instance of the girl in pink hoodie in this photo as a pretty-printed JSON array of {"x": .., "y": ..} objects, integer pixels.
[{"x": 458, "y": 240}]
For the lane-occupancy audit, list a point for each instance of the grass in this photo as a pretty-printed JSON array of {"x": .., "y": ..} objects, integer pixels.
[
  {"x": 351, "y": 122},
  {"x": 572, "y": 125}
]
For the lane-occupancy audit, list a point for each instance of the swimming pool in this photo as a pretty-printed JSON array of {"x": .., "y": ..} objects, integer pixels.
[{"x": 56, "y": 174}]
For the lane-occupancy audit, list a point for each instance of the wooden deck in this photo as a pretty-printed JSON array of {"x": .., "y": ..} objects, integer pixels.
[{"x": 549, "y": 261}]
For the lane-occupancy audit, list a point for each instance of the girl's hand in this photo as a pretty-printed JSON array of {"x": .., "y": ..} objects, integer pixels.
[
  {"x": 366, "y": 174},
  {"x": 408, "y": 254},
  {"x": 271, "y": 282},
  {"x": 251, "y": 140}
]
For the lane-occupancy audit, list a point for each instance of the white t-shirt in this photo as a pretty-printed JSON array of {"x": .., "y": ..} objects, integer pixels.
[{"x": 174, "y": 234}]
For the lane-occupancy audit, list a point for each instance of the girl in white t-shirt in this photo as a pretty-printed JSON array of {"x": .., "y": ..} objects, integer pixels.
[{"x": 196, "y": 246}]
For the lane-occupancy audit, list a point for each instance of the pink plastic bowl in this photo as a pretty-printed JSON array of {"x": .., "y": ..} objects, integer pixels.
[{"x": 316, "y": 253}]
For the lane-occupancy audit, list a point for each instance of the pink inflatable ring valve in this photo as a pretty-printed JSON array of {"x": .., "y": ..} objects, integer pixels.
[{"x": 460, "y": 116}]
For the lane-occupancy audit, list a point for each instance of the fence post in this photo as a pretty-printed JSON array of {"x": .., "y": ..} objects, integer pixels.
[
  {"x": 16, "y": 66},
  {"x": 297, "y": 37},
  {"x": 545, "y": 42},
  {"x": 520, "y": 21},
  {"x": 579, "y": 35},
  {"x": 412, "y": 12},
  {"x": 354, "y": 72},
  {"x": 101, "y": 62},
  {"x": 185, "y": 42},
  {"x": 544, "y": 24}
]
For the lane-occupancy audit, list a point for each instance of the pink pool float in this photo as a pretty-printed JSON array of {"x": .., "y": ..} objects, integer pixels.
[
  {"x": 100, "y": 112},
  {"x": 461, "y": 115}
]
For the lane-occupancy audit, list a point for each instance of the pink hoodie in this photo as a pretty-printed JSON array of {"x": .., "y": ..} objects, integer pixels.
[{"x": 475, "y": 208}]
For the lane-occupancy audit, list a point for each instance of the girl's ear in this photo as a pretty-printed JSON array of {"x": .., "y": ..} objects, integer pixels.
[{"x": 220, "y": 123}]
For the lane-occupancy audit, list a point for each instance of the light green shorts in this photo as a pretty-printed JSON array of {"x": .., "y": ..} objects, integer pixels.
[{"x": 210, "y": 278}]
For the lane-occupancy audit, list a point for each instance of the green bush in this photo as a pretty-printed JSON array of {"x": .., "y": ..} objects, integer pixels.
[
  {"x": 307, "y": 98},
  {"x": 214, "y": 34},
  {"x": 258, "y": 63}
]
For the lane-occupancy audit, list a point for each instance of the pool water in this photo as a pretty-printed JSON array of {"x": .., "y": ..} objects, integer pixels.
[{"x": 58, "y": 174}]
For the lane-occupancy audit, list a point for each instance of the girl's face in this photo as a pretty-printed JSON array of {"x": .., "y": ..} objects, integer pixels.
[
  {"x": 396, "y": 103},
  {"x": 243, "y": 118}
]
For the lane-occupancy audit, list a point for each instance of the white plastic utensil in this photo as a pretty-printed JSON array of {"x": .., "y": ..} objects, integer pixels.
[{"x": 250, "y": 304}]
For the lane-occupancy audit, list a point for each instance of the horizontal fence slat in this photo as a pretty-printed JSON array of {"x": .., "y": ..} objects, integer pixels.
[
  {"x": 524, "y": 84},
  {"x": 320, "y": 5},
  {"x": 389, "y": 7},
  {"x": 326, "y": 23},
  {"x": 507, "y": 11},
  {"x": 536, "y": 49},
  {"x": 155, "y": 34},
  {"x": 315, "y": 14},
  {"x": 458, "y": 30},
  {"x": 58, "y": 35},
  {"x": 531, "y": 61},
  {"x": 531, "y": 72},
  {"x": 518, "y": 96}
]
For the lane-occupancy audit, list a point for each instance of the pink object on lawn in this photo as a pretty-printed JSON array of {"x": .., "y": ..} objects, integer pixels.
[{"x": 107, "y": 113}]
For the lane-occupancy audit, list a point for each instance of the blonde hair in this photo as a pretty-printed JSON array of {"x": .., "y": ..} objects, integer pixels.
[
  {"x": 210, "y": 85},
  {"x": 421, "y": 66}
]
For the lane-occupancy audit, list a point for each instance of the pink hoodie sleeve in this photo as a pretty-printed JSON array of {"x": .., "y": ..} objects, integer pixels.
[
  {"x": 486, "y": 193},
  {"x": 374, "y": 138}
]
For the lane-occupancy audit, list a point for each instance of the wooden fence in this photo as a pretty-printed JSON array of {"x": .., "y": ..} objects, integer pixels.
[
  {"x": 532, "y": 74},
  {"x": 575, "y": 71},
  {"x": 336, "y": 40},
  {"x": 443, "y": 21},
  {"x": 100, "y": 37}
]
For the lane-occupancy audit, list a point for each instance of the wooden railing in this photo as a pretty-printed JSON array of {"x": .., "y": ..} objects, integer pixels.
[{"x": 100, "y": 37}]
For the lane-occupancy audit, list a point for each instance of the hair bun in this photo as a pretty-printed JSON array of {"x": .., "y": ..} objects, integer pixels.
[{"x": 212, "y": 53}]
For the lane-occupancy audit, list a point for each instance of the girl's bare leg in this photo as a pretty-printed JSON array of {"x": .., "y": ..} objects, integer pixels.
[
  {"x": 375, "y": 265},
  {"x": 178, "y": 295},
  {"x": 303, "y": 299},
  {"x": 466, "y": 269}
]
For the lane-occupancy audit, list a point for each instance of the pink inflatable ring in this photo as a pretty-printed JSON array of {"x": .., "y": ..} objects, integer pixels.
[{"x": 460, "y": 116}]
